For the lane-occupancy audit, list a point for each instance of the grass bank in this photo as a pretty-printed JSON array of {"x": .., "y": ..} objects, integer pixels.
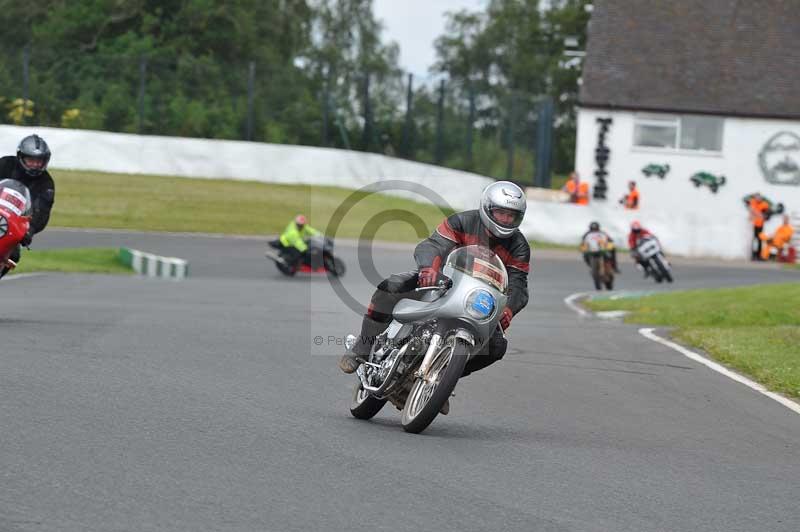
[
  {"x": 755, "y": 329},
  {"x": 83, "y": 260},
  {"x": 159, "y": 203}
]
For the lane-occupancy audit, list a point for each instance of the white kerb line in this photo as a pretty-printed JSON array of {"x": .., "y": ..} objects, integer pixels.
[
  {"x": 719, "y": 368},
  {"x": 648, "y": 333},
  {"x": 570, "y": 302}
]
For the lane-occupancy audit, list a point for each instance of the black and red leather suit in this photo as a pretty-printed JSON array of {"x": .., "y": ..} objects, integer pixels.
[{"x": 460, "y": 229}]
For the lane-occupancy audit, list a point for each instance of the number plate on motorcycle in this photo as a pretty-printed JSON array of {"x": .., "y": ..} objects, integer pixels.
[{"x": 649, "y": 248}]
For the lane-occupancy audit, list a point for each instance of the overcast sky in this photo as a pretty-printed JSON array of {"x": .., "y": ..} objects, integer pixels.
[{"x": 415, "y": 24}]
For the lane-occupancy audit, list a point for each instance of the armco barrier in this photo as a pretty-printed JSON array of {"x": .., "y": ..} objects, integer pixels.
[{"x": 152, "y": 265}]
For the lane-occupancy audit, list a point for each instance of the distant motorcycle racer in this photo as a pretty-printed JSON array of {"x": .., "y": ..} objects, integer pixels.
[
  {"x": 291, "y": 245},
  {"x": 594, "y": 227},
  {"x": 635, "y": 237},
  {"x": 29, "y": 167}
]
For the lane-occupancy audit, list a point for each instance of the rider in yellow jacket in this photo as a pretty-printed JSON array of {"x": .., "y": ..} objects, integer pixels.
[{"x": 292, "y": 242}]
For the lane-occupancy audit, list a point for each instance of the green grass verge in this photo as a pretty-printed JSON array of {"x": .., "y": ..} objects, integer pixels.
[
  {"x": 535, "y": 244},
  {"x": 158, "y": 203},
  {"x": 84, "y": 260},
  {"x": 754, "y": 329}
]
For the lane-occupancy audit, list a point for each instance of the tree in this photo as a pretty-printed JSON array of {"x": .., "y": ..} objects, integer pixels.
[
  {"x": 347, "y": 48},
  {"x": 512, "y": 53}
]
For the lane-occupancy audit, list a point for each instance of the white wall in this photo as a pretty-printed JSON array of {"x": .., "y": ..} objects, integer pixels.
[
  {"x": 274, "y": 163},
  {"x": 689, "y": 220}
]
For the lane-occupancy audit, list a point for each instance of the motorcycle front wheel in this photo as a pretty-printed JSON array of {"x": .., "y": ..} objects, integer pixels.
[
  {"x": 427, "y": 396},
  {"x": 665, "y": 273},
  {"x": 334, "y": 266},
  {"x": 655, "y": 271},
  {"x": 364, "y": 406}
]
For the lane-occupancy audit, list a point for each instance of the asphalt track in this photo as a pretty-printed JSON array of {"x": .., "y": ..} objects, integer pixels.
[{"x": 205, "y": 405}]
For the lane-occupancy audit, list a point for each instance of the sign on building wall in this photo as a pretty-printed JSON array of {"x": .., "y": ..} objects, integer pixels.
[
  {"x": 779, "y": 159},
  {"x": 601, "y": 155}
]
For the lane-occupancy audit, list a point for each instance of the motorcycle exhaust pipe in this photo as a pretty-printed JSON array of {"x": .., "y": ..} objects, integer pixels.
[{"x": 387, "y": 381}]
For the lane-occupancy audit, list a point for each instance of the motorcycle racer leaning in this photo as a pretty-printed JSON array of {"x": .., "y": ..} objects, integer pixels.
[
  {"x": 494, "y": 225},
  {"x": 291, "y": 244},
  {"x": 29, "y": 167},
  {"x": 635, "y": 237}
]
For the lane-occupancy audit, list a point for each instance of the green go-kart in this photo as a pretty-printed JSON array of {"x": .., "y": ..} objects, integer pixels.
[
  {"x": 707, "y": 179},
  {"x": 660, "y": 170}
]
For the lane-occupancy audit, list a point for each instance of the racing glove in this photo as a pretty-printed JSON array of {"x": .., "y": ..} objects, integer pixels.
[
  {"x": 505, "y": 318},
  {"x": 428, "y": 275}
]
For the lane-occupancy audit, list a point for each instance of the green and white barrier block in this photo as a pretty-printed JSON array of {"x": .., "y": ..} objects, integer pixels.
[{"x": 152, "y": 265}]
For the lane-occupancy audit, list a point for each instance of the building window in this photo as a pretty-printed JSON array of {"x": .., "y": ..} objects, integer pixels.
[
  {"x": 681, "y": 132},
  {"x": 701, "y": 133},
  {"x": 656, "y": 132}
]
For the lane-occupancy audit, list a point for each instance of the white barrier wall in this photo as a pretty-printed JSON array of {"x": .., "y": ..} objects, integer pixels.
[
  {"x": 252, "y": 161},
  {"x": 688, "y": 220}
]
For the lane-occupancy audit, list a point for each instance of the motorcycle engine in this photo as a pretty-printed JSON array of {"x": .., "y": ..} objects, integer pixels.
[{"x": 386, "y": 364}]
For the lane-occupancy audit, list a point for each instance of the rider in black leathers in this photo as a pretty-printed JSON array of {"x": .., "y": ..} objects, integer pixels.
[
  {"x": 29, "y": 167},
  {"x": 501, "y": 199}
]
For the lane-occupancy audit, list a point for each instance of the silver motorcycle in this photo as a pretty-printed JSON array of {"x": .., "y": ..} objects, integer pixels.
[
  {"x": 654, "y": 260},
  {"x": 418, "y": 360}
]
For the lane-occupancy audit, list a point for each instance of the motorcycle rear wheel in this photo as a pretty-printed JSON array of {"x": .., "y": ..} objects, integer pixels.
[
  {"x": 364, "y": 406},
  {"x": 426, "y": 398},
  {"x": 595, "y": 266}
]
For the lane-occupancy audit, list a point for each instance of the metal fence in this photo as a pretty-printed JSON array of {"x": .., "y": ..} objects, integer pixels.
[{"x": 489, "y": 130}]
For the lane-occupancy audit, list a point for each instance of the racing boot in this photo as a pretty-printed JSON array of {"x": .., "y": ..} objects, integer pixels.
[{"x": 369, "y": 330}]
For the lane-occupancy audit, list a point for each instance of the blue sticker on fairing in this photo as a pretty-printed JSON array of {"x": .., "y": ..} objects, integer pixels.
[{"x": 483, "y": 303}]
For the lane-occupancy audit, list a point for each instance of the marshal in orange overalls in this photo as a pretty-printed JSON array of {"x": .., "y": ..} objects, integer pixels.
[
  {"x": 578, "y": 192},
  {"x": 758, "y": 209},
  {"x": 631, "y": 199},
  {"x": 782, "y": 236}
]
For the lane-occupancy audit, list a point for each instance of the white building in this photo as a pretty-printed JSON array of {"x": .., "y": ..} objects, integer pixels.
[{"x": 696, "y": 86}]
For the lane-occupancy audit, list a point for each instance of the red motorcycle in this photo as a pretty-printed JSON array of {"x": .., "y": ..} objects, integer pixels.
[{"x": 15, "y": 217}]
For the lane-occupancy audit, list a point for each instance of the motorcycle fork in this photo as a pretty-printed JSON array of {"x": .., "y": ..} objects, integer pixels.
[{"x": 433, "y": 348}]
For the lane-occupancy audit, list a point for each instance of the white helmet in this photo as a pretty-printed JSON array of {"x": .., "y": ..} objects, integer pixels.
[{"x": 502, "y": 196}]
